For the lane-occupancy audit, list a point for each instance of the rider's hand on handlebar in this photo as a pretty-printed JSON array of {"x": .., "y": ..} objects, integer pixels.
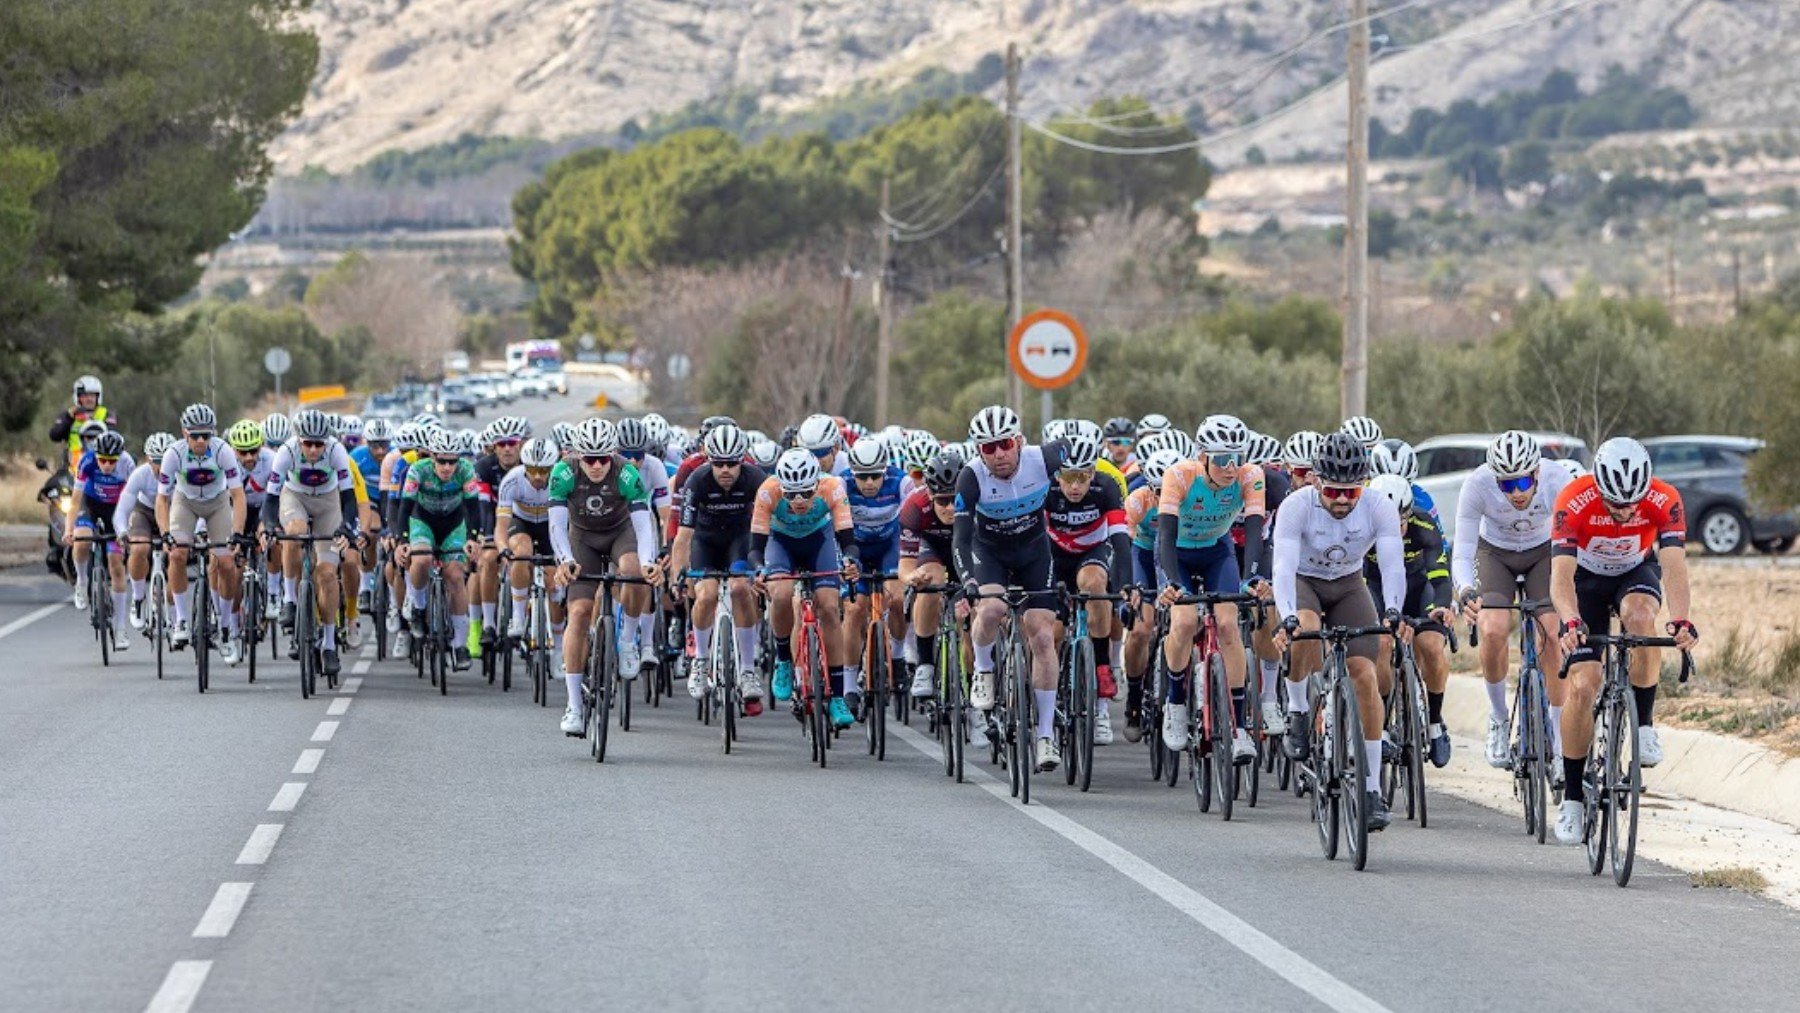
[
  {"x": 1469, "y": 600},
  {"x": 566, "y": 573},
  {"x": 1574, "y": 634},
  {"x": 1168, "y": 595}
]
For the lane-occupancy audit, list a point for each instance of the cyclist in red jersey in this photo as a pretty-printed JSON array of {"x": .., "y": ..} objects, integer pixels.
[{"x": 1616, "y": 536}]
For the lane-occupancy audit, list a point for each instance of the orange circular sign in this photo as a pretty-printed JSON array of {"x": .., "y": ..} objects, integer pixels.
[{"x": 1048, "y": 349}]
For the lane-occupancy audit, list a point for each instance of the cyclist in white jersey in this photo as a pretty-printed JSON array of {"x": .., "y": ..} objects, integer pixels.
[
  {"x": 312, "y": 493},
  {"x": 135, "y": 517},
  {"x": 1323, "y": 533},
  {"x": 1502, "y": 534},
  {"x": 522, "y": 524},
  {"x": 200, "y": 482}
]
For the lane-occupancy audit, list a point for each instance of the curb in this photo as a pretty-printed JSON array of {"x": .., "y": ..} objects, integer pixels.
[{"x": 1713, "y": 769}]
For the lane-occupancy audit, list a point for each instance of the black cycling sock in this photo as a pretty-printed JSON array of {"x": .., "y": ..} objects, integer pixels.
[
  {"x": 1646, "y": 703},
  {"x": 1134, "y": 695},
  {"x": 784, "y": 649},
  {"x": 1178, "y": 687},
  {"x": 928, "y": 650},
  {"x": 837, "y": 679},
  {"x": 1573, "y": 788},
  {"x": 1434, "y": 707},
  {"x": 1237, "y": 706}
]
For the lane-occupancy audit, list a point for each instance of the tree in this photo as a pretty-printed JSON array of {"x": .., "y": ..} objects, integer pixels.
[
  {"x": 1295, "y": 326},
  {"x": 949, "y": 346},
  {"x": 133, "y": 138},
  {"x": 793, "y": 354},
  {"x": 1526, "y": 162},
  {"x": 411, "y": 321}
]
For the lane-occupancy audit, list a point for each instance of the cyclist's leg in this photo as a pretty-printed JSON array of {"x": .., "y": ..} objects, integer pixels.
[
  {"x": 1640, "y": 599},
  {"x": 1348, "y": 603},
  {"x": 181, "y": 530},
  {"x": 141, "y": 528},
  {"x": 1537, "y": 586},
  {"x": 488, "y": 584},
  {"x": 581, "y": 602},
  {"x": 1594, "y": 596},
  {"x": 1496, "y": 582},
  {"x": 521, "y": 544}
]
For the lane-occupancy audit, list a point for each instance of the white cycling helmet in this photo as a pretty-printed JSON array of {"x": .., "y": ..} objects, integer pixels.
[
  {"x": 921, "y": 447},
  {"x": 1223, "y": 434},
  {"x": 995, "y": 422},
  {"x": 1264, "y": 450},
  {"x": 797, "y": 470},
  {"x": 443, "y": 442},
  {"x": 820, "y": 432},
  {"x": 312, "y": 425},
  {"x": 468, "y": 443},
  {"x": 1167, "y": 439},
  {"x": 198, "y": 416},
  {"x": 1153, "y": 423},
  {"x": 1084, "y": 452},
  {"x": 1362, "y": 429},
  {"x": 765, "y": 454},
  {"x": 1513, "y": 453},
  {"x": 1055, "y": 429},
  {"x": 156, "y": 445},
  {"x": 596, "y": 437},
  {"x": 1395, "y": 457},
  {"x": 1085, "y": 427},
  {"x": 509, "y": 427},
  {"x": 1155, "y": 466},
  {"x": 633, "y": 435},
  {"x": 563, "y": 435},
  {"x": 658, "y": 428},
  {"x": 277, "y": 430},
  {"x": 351, "y": 425},
  {"x": 1301, "y": 448},
  {"x": 868, "y": 457},
  {"x": 1622, "y": 470},
  {"x": 1397, "y": 489},
  {"x": 539, "y": 453},
  {"x": 378, "y": 431},
  {"x": 727, "y": 443}
]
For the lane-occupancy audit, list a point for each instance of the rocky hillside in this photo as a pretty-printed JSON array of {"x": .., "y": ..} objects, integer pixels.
[{"x": 408, "y": 73}]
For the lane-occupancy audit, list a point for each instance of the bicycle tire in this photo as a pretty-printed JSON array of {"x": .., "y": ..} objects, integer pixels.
[
  {"x": 156, "y": 603},
  {"x": 957, "y": 714},
  {"x": 99, "y": 604},
  {"x": 1025, "y": 715},
  {"x": 1065, "y": 709},
  {"x": 820, "y": 677},
  {"x": 1087, "y": 700},
  {"x": 1221, "y": 724},
  {"x": 1537, "y": 772},
  {"x": 605, "y": 683},
  {"x": 251, "y": 624},
  {"x": 725, "y": 688},
  {"x": 304, "y": 617},
  {"x": 1328, "y": 811},
  {"x": 440, "y": 630},
  {"x": 1418, "y": 741},
  {"x": 1628, "y": 796},
  {"x": 1253, "y": 723},
  {"x": 198, "y": 634},
  {"x": 1354, "y": 778}
]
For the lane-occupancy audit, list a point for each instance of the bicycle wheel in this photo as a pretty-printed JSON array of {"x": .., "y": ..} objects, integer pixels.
[
  {"x": 1354, "y": 777},
  {"x": 1222, "y": 722},
  {"x": 1024, "y": 716},
  {"x": 156, "y": 603},
  {"x": 1416, "y": 743},
  {"x": 821, "y": 711},
  {"x": 1086, "y": 707},
  {"x": 875, "y": 704},
  {"x": 956, "y": 700},
  {"x": 100, "y": 607},
  {"x": 303, "y": 624},
  {"x": 1535, "y": 756},
  {"x": 1628, "y": 793},
  {"x": 1064, "y": 723},
  {"x": 200, "y": 633},
  {"x": 725, "y": 688},
  {"x": 379, "y": 604},
  {"x": 1322, "y": 778},
  {"x": 1251, "y": 779},
  {"x": 603, "y": 664},
  {"x": 438, "y": 624},
  {"x": 623, "y": 693}
]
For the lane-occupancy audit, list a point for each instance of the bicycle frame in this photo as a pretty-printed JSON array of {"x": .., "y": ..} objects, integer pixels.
[
  {"x": 811, "y": 665},
  {"x": 1334, "y": 771}
]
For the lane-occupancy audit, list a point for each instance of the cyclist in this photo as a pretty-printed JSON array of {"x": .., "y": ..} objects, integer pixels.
[
  {"x": 824, "y": 439},
  {"x": 1121, "y": 437},
  {"x": 801, "y": 524},
  {"x": 915, "y": 453},
  {"x": 688, "y": 463},
  {"x": 200, "y": 482},
  {"x": 503, "y": 438},
  {"x": 717, "y": 501},
  {"x": 439, "y": 506},
  {"x": 1618, "y": 533},
  {"x": 927, "y": 521},
  {"x": 85, "y": 407},
  {"x": 600, "y": 513},
  {"x": 522, "y": 524},
  {"x": 311, "y": 493},
  {"x": 350, "y": 432},
  {"x": 1266, "y": 453},
  {"x": 1090, "y": 552},
  {"x": 634, "y": 447},
  {"x": 101, "y": 476},
  {"x": 257, "y": 462},
  {"x": 1397, "y": 457},
  {"x": 874, "y": 497},
  {"x": 1298, "y": 454},
  {"x": 1427, "y": 596},
  {"x": 1141, "y": 519},
  {"x": 1001, "y": 542},
  {"x": 404, "y": 450},
  {"x": 1321, "y": 538},
  {"x": 136, "y": 516},
  {"x": 379, "y": 438},
  {"x": 1363, "y": 430},
  {"x": 1194, "y": 553},
  {"x": 1508, "y": 501}
]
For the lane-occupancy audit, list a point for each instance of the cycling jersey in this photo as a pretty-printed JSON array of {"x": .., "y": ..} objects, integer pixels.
[
  {"x": 1205, "y": 513},
  {"x": 369, "y": 465},
  {"x": 524, "y": 501},
  {"x": 1309, "y": 542},
  {"x": 1008, "y": 508},
  {"x": 99, "y": 487},
  {"x": 292, "y": 471},
  {"x": 713, "y": 511},
  {"x": 597, "y": 506},
  {"x": 876, "y": 518},
  {"x": 923, "y": 536},
  {"x": 1482, "y": 508},
  {"x": 1104, "y": 468},
  {"x": 655, "y": 475},
  {"x": 256, "y": 478},
  {"x": 425, "y": 493},
  {"x": 1078, "y": 527},
  {"x": 774, "y": 516},
  {"x": 139, "y": 492},
  {"x": 1427, "y": 561},
  {"x": 1585, "y": 529},
  {"x": 393, "y": 469},
  {"x": 202, "y": 477}
]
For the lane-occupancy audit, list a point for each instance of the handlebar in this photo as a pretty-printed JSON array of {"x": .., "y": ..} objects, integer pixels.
[
  {"x": 1631, "y": 640},
  {"x": 1341, "y": 634}
]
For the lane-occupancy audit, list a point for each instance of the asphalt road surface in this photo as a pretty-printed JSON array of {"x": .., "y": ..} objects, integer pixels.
[{"x": 387, "y": 848}]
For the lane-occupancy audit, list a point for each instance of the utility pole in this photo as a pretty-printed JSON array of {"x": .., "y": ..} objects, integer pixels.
[
  {"x": 1015, "y": 242},
  {"x": 1355, "y": 381},
  {"x": 884, "y": 301}
]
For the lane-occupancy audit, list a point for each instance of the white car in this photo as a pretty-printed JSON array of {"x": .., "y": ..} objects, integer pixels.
[
  {"x": 1445, "y": 462},
  {"x": 530, "y": 382}
]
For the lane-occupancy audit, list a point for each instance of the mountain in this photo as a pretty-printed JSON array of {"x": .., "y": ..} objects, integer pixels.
[{"x": 411, "y": 73}]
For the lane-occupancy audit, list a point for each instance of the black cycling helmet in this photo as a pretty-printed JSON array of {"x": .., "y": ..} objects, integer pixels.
[
  {"x": 713, "y": 422},
  {"x": 1120, "y": 428},
  {"x": 788, "y": 437},
  {"x": 942, "y": 471},
  {"x": 1342, "y": 460}
]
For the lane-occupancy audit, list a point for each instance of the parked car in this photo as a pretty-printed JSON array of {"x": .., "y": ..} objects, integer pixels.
[
  {"x": 457, "y": 397},
  {"x": 1445, "y": 462},
  {"x": 387, "y": 406},
  {"x": 1709, "y": 472},
  {"x": 530, "y": 382}
]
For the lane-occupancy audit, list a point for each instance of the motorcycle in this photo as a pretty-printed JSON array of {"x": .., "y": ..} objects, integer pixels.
[{"x": 58, "y": 496}]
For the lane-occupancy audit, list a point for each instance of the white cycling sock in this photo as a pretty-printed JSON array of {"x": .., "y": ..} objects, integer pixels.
[
  {"x": 182, "y": 602},
  {"x": 121, "y": 607},
  {"x": 703, "y": 641},
  {"x": 1046, "y": 705},
  {"x": 328, "y": 638},
  {"x": 139, "y": 588},
  {"x": 520, "y": 596},
  {"x": 852, "y": 678},
  {"x": 746, "y": 646},
  {"x": 1102, "y": 711},
  {"x": 910, "y": 645},
  {"x": 368, "y": 582},
  {"x": 459, "y": 629},
  {"x": 646, "y": 635},
  {"x": 1372, "y": 765},
  {"x": 289, "y": 588},
  {"x": 984, "y": 657},
  {"x": 897, "y": 649},
  {"x": 490, "y": 613},
  {"x": 1271, "y": 674},
  {"x": 1496, "y": 692},
  {"x": 415, "y": 596},
  {"x": 574, "y": 682},
  {"x": 1556, "y": 728},
  {"x": 1296, "y": 696}
]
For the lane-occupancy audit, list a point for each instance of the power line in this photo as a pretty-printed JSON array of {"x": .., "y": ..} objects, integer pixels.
[{"x": 941, "y": 227}]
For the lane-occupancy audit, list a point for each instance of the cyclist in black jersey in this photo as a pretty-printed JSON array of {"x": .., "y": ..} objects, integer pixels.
[{"x": 714, "y": 534}]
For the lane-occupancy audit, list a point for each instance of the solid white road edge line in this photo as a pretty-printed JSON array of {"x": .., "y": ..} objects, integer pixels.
[
  {"x": 1297, "y": 970},
  {"x": 180, "y": 987},
  {"x": 260, "y": 845},
  {"x": 338, "y": 707},
  {"x": 288, "y": 797},
  {"x": 308, "y": 763},
  {"x": 28, "y": 618},
  {"x": 223, "y": 912},
  {"x": 325, "y": 731}
]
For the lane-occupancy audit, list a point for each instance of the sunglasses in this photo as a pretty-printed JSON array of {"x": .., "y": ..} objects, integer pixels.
[
  {"x": 1524, "y": 483},
  {"x": 313, "y": 444},
  {"x": 509, "y": 442},
  {"x": 824, "y": 452},
  {"x": 190, "y": 436},
  {"x": 727, "y": 464},
  {"x": 1301, "y": 474},
  {"x": 1225, "y": 460},
  {"x": 447, "y": 462},
  {"x": 1081, "y": 475},
  {"x": 537, "y": 472},
  {"x": 594, "y": 458},
  {"x": 944, "y": 500},
  {"x": 993, "y": 447},
  {"x": 106, "y": 460},
  {"x": 1350, "y": 493},
  {"x": 1122, "y": 441},
  {"x": 797, "y": 496},
  {"x": 869, "y": 476}
]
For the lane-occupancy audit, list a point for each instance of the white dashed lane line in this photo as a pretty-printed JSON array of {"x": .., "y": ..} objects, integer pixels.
[
  {"x": 309, "y": 761},
  {"x": 338, "y": 707},
  {"x": 223, "y": 912},
  {"x": 260, "y": 845},
  {"x": 288, "y": 797},
  {"x": 180, "y": 987},
  {"x": 325, "y": 731}
]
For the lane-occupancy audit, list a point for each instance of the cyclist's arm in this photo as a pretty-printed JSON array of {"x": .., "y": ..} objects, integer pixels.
[
  {"x": 1436, "y": 571},
  {"x": 1284, "y": 572},
  {"x": 962, "y": 529},
  {"x": 681, "y": 550},
  {"x": 1253, "y": 546},
  {"x": 1168, "y": 527},
  {"x": 1390, "y": 556},
  {"x": 638, "y": 496},
  {"x": 759, "y": 541},
  {"x": 1468, "y": 521},
  {"x": 1673, "y": 559},
  {"x": 1562, "y": 586},
  {"x": 1119, "y": 566},
  {"x": 560, "y": 545},
  {"x": 1256, "y": 509}
]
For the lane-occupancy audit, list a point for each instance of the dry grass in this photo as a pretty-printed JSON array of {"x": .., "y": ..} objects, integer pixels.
[
  {"x": 1733, "y": 878},
  {"x": 19, "y": 483}
]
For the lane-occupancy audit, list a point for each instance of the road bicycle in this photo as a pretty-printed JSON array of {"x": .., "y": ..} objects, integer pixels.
[
  {"x": 1012, "y": 724},
  {"x": 1335, "y": 773},
  {"x": 99, "y": 591},
  {"x": 307, "y": 636},
  {"x": 812, "y": 677},
  {"x": 1212, "y": 767},
  {"x": 877, "y": 667},
  {"x": 950, "y": 704},
  {"x": 1534, "y": 761},
  {"x": 535, "y": 640},
  {"x": 1408, "y": 729},
  {"x": 1078, "y": 691}
]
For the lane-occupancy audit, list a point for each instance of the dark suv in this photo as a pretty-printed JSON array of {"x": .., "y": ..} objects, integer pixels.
[{"x": 1708, "y": 471}]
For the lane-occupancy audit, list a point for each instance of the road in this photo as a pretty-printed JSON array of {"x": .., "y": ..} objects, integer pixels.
[{"x": 384, "y": 847}]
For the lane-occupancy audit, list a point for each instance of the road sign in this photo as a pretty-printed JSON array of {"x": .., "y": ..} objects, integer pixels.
[
  {"x": 277, "y": 361},
  {"x": 1048, "y": 349}
]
